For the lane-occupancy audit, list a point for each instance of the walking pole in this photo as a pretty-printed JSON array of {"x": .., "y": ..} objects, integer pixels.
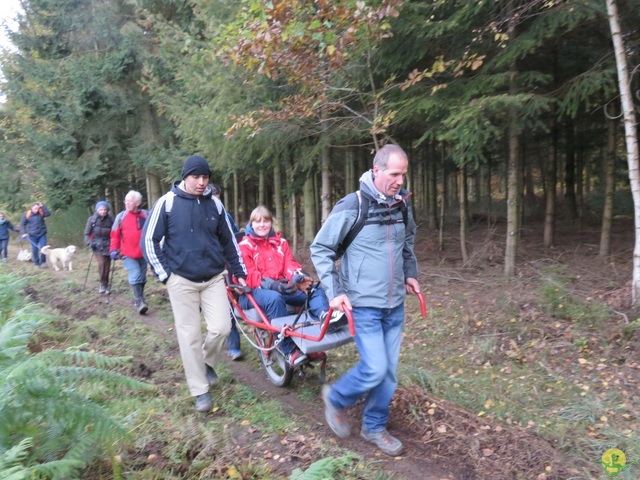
[
  {"x": 88, "y": 268},
  {"x": 113, "y": 269}
]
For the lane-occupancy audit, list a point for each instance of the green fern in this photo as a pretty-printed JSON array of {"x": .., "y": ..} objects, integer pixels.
[
  {"x": 52, "y": 422},
  {"x": 323, "y": 469}
]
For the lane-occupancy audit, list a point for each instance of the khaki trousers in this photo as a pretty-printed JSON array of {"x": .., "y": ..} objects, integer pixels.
[{"x": 187, "y": 299}]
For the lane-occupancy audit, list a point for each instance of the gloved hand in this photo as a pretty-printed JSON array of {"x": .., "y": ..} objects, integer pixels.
[
  {"x": 114, "y": 255},
  {"x": 93, "y": 246},
  {"x": 287, "y": 288},
  {"x": 300, "y": 277},
  {"x": 281, "y": 286}
]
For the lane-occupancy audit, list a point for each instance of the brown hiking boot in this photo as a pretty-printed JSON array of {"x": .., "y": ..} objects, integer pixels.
[
  {"x": 384, "y": 441},
  {"x": 336, "y": 418}
]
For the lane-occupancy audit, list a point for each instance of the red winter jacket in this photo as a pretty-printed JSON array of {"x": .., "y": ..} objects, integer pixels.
[
  {"x": 126, "y": 233},
  {"x": 267, "y": 258}
]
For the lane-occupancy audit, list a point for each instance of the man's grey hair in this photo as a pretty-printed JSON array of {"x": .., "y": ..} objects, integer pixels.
[
  {"x": 382, "y": 156},
  {"x": 137, "y": 196}
]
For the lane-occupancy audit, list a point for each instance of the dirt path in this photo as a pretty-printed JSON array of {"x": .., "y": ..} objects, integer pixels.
[{"x": 417, "y": 461}]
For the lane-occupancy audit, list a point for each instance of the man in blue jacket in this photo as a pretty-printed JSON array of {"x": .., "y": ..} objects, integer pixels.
[
  {"x": 34, "y": 228},
  {"x": 188, "y": 242},
  {"x": 377, "y": 270}
]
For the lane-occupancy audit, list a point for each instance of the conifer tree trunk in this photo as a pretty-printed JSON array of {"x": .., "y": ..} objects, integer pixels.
[
  {"x": 309, "y": 210},
  {"x": 513, "y": 194},
  {"x": 609, "y": 188},
  {"x": 277, "y": 196},
  {"x": 325, "y": 198},
  {"x": 154, "y": 188},
  {"x": 462, "y": 202},
  {"x": 631, "y": 137},
  {"x": 432, "y": 188},
  {"x": 551, "y": 180},
  {"x": 293, "y": 205}
]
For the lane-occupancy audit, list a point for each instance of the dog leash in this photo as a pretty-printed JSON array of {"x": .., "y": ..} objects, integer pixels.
[{"x": 29, "y": 238}]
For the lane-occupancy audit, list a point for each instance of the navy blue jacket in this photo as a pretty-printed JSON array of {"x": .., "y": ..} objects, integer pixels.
[
  {"x": 5, "y": 226},
  {"x": 33, "y": 224},
  {"x": 194, "y": 239}
]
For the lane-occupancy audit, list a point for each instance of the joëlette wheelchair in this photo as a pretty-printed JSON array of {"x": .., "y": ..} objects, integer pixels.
[{"x": 310, "y": 335}]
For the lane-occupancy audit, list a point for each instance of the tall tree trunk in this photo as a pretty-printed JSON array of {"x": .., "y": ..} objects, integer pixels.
[
  {"x": 631, "y": 137},
  {"x": 462, "y": 202},
  {"x": 570, "y": 173},
  {"x": 262, "y": 197},
  {"x": 432, "y": 187},
  {"x": 277, "y": 196},
  {"x": 513, "y": 190},
  {"x": 350, "y": 170},
  {"x": 551, "y": 180},
  {"x": 154, "y": 188},
  {"x": 609, "y": 188},
  {"x": 309, "y": 210},
  {"x": 325, "y": 197},
  {"x": 293, "y": 204}
]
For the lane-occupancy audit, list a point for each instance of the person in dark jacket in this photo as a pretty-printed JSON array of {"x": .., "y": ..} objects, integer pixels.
[
  {"x": 34, "y": 228},
  {"x": 189, "y": 245},
  {"x": 97, "y": 236},
  {"x": 5, "y": 226}
]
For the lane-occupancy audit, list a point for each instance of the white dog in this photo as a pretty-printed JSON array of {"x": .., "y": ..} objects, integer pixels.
[
  {"x": 24, "y": 255},
  {"x": 60, "y": 256}
]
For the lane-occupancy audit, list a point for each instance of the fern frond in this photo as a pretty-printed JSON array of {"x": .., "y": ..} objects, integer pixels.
[{"x": 323, "y": 469}]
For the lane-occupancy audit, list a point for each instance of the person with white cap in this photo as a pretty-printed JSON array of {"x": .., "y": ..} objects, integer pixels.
[{"x": 189, "y": 244}]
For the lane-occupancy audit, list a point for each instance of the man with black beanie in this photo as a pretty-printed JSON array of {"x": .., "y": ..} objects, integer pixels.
[{"x": 188, "y": 243}]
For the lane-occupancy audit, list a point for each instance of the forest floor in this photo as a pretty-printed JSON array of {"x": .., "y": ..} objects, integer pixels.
[{"x": 532, "y": 377}]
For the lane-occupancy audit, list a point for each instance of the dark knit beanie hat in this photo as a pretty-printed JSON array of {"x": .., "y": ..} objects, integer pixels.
[
  {"x": 102, "y": 203},
  {"x": 195, "y": 165}
]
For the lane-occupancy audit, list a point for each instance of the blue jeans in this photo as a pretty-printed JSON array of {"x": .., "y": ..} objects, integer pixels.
[
  {"x": 274, "y": 305},
  {"x": 4, "y": 243},
  {"x": 233, "y": 342},
  {"x": 36, "y": 245},
  {"x": 136, "y": 270},
  {"x": 378, "y": 339}
]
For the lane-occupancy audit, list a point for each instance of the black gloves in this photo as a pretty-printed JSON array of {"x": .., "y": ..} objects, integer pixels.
[
  {"x": 282, "y": 286},
  {"x": 300, "y": 277},
  {"x": 93, "y": 246}
]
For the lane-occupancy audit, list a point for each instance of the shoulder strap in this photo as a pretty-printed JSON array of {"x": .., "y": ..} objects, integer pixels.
[
  {"x": 361, "y": 219},
  {"x": 363, "y": 210},
  {"x": 168, "y": 203}
]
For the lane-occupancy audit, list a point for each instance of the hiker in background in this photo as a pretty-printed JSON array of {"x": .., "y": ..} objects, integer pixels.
[
  {"x": 97, "y": 236},
  {"x": 277, "y": 280},
  {"x": 125, "y": 243},
  {"x": 233, "y": 342},
  {"x": 198, "y": 248},
  {"x": 34, "y": 228},
  {"x": 5, "y": 226},
  {"x": 377, "y": 271}
]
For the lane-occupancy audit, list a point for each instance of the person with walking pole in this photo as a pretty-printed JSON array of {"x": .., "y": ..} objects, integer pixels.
[
  {"x": 125, "y": 243},
  {"x": 33, "y": 227},
  {"x": 86, "y": 277},
  {"x": 110, "y": 284},
  {"x": 97, "y": 236}
]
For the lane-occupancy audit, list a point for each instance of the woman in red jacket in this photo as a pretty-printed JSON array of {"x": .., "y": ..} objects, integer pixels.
[{"x": 276, "y": 278}]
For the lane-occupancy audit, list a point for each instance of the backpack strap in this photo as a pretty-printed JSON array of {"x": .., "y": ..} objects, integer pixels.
[{"x": 361, "y": 220}]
